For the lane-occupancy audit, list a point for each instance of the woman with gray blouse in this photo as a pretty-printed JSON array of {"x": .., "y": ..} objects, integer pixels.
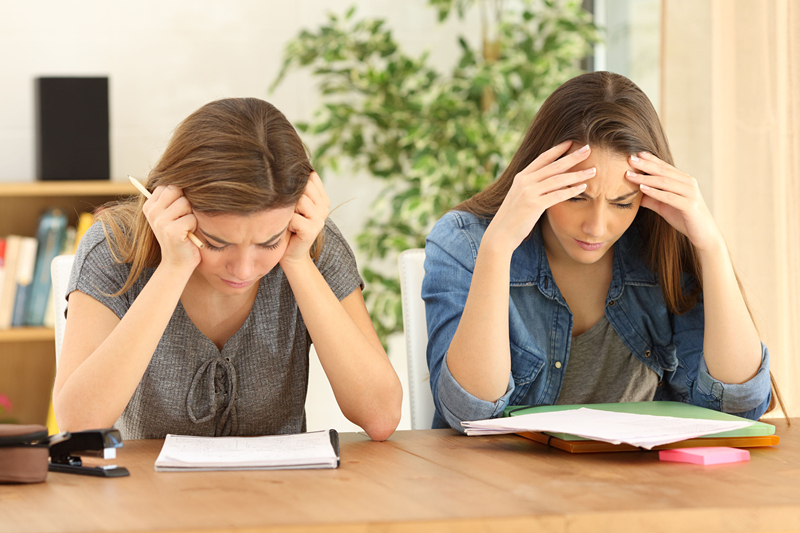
[{"x": 165, "y": 336}]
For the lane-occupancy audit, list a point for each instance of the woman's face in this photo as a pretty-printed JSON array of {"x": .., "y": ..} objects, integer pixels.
[
  {"x": 585, "y": 227},
  {"x": 240, "y": 250}
]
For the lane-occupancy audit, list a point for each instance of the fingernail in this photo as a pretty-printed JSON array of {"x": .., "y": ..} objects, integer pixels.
[
  {"x": 582, "y": 186},
  {"x": 584, "y": 149},
  {"x": 590, "y": 171},
  {"x": 634, "y": 158},
  {"x": 630, "y": 174},
  {"x": 644, "y": 187}
]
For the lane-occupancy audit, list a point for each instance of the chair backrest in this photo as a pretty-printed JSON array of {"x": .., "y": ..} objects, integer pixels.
[
  {"x": 411, "y": 263},
  {"x": 60, "y": 269}
]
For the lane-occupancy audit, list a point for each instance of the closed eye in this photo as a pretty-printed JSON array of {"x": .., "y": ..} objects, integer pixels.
[
  {"x": 270, "y": 246},
  {"x": 220, "y": 248},
  {"x": 215, "y": 248},
  {"x": 617, "y": 205}
]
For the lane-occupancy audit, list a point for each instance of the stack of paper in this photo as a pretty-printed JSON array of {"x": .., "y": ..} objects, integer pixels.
[
  {"x": 318, "y": 449},
  {"x": 645, "y": 431}
]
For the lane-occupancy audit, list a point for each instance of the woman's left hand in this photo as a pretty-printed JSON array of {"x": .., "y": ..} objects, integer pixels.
[
  {"x": 308, "y": 220},
  {"x": 675, "y": 196}
]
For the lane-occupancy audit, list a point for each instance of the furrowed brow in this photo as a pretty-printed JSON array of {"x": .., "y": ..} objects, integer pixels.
[
  {"x": 618, "y": 199},
  {"x": 276, "y": 236},
  {"x": 625, "y": 196},
  {"x": 223, "y": 241},
  {"x": 212, "y": 237}
]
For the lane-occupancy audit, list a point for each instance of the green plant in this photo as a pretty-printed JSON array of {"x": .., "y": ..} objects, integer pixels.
[{"x": 434, "y": 139}]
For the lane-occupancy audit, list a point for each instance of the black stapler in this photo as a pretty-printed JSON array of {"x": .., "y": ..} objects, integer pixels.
[{"x": 65, "y": 449}]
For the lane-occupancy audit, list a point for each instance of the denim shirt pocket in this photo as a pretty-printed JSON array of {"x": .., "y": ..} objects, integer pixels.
[{"x": 525, "y": 368}]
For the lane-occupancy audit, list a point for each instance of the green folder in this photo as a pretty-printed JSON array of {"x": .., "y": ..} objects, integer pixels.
[{"x": 676, "y": 409}]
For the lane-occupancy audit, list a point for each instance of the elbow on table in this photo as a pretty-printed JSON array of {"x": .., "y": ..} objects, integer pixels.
[
  {"x": 384, "y": 422},
  {"x": 381, "y": 430},
  {"x": 75, "y": 424},
  {"x": 71, "y": 419}
]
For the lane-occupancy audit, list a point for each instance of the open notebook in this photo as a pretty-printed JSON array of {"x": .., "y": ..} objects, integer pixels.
[
  {"x": 756, "y": 434},
  {"x": 316, "y": 449}
]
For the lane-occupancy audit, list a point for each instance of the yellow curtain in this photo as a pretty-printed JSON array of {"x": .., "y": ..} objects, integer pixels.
[{"x": 731, "y": 107}]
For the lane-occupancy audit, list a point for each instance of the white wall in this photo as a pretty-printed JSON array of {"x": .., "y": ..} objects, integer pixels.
[{"x": 164, "y": 59}]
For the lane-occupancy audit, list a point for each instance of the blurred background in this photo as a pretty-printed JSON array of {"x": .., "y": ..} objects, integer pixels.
[{"x": 410, "y": 107}]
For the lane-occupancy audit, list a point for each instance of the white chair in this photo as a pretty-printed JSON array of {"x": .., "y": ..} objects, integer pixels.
[
  {"x": 411, "y": 264},
  {"x": 60, "y": 269}
]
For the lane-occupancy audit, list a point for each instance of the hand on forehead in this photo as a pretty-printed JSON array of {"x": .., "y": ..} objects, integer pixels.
[{"x": 609, "y": 183}]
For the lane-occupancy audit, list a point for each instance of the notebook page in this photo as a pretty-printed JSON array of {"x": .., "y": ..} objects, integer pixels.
[{"x": 300, "y": 449}]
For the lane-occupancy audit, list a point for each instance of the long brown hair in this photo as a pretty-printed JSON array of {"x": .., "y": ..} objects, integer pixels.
[
  {"x": 234, "y": 156},
  {"x": 606, "y": 111},
  {"x": 609, "y": 112}
]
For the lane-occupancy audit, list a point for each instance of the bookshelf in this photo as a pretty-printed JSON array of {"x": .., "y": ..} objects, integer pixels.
[{"x": 27, "y": 355}]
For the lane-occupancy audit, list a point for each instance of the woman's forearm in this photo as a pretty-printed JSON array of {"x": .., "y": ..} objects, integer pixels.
[
  {"x": 95, "y": 392},
  {"x": 363, "y": 380},
  {"x": 479, "y": 357},
  {"x": 731, "y": 345}
]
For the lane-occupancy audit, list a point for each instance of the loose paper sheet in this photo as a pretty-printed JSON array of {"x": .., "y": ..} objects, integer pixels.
[
  {"x": 645, "y": 431},
  {"x": 302, "y": 450}
]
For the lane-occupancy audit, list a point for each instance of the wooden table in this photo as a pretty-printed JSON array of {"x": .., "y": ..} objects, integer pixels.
[{"x": 431, "y": 480}]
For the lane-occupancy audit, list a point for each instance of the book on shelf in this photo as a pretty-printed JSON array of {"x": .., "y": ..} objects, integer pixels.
[
  {"x": 50, "y": 240},
  {"x": 85, "y": 221},
  {"x": 26, "y": 292},
  {"x": 8, "y": 289},
  {"x": 70, "y": 241},
  {"x": 26, "y": 263},
  {"x": 66, "y": 249}
]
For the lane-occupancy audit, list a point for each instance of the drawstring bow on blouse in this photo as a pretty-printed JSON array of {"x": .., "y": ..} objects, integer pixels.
[{"x": 219, "y": 392}]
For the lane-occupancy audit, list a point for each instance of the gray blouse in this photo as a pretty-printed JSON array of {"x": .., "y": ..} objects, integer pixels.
[{"x": 255, "y": 386}]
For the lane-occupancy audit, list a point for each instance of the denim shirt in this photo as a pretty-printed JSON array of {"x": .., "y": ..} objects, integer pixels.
[{"x": 540, "y": 328}]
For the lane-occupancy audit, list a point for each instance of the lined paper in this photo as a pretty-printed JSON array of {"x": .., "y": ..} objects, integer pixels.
[
  {"x": 645, "y": 431},
  {"x": 301, "y": 450}
]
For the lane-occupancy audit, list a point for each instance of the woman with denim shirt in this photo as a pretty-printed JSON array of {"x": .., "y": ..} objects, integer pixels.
[{"x": 591, "y": 271}]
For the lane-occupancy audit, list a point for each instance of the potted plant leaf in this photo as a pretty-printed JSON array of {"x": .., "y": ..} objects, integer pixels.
[{"x": 432, "y": 138}]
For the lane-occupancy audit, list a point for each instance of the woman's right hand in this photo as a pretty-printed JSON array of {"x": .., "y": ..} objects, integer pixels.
[
  {"x": 171, "y": 218},
  {"x": 541, "y": 185}
]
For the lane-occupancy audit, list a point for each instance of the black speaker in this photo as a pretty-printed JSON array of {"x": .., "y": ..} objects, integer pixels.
[{"x": 72, "y": 128}]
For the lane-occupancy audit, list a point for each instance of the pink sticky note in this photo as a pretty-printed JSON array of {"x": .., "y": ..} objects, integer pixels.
[{"x": 712, "y": 455}]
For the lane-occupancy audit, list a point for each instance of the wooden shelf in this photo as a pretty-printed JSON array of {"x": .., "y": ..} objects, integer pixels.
[
  {"x": 27, "y": 355},
  {"x": 67, "y": 188},
  {"x": 27, "y": 334},
  {"x": 21, "y": 204}
]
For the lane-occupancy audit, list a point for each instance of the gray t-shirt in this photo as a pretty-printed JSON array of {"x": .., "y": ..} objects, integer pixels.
[
  {"x": 255, "y": 386},
  {"x": 601, "y": 369}
]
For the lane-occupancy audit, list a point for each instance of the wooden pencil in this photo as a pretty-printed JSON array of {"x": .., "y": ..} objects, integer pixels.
[{"x": 146, "y": 193}]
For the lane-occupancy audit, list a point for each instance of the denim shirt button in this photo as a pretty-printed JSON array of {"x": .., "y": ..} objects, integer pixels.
[
  {"x": 611, "y": 303},
  {"x": 558, "y": 364},
  {"x": 647, "y": 353}
]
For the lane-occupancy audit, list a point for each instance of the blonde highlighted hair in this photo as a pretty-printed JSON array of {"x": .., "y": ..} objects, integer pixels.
[{"x": 234, "y": 156}]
